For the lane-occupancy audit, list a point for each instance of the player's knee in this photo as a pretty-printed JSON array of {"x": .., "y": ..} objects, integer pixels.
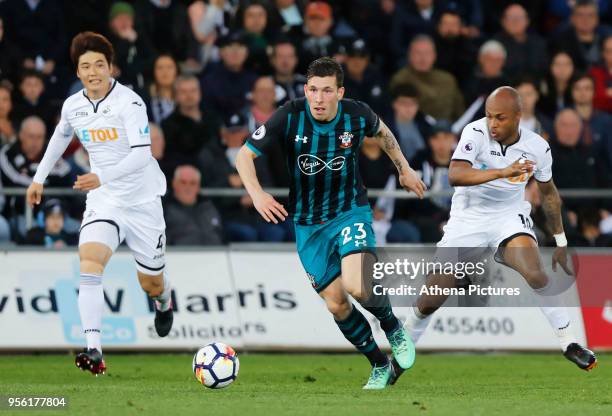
[
  {"x": 92, "y": 266},
  {"x": 536, "y": 279},
  {"x": 339, "y": 308},
  {"x": 152, "y": 287},
  {"x": 358, "y": 293}
]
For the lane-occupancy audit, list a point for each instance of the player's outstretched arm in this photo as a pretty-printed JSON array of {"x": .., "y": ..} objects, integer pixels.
[
  {"x": 461, "y": 173},
  {"x": 269, "y": 208},
  {"x": 551, "y": 205},
  {"x": 408, "y": 178}
]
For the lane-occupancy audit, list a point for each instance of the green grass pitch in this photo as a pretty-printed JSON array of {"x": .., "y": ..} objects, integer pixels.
[{"x": 315, "y": 385}]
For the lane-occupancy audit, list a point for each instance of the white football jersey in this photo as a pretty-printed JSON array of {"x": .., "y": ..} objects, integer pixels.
[
  {"x": 108, "y": 129},
  {"x": 478, "y": 148}
]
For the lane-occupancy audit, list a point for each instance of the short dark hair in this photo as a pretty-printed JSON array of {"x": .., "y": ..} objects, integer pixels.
[
  {"x": 585, "y": 3},
  {"x": 90, "y": 41},
  {"x": 404, "y": 90},
  {"x": 32, "y": 73},
  {"x": 326, "y": 67},
  {"x": 526, "y": 79},
  {"x": 580, "y": 76}
]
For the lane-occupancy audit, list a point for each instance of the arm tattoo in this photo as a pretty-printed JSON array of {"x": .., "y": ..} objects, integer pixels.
[
  {"x": 551, "y": 205},
  {"x": 390, "y": 146}
]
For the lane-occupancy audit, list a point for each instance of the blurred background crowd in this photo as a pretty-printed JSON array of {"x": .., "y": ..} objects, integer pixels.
[{"x": 211, "y": 72}]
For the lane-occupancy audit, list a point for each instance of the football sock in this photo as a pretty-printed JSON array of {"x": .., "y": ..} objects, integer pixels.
[
  {"x": 380, "y": 307},
  {"x": 416, "y": 323},
  {"x": 91, "y": 304},
  {"x": 558, "y": 318},
  {"x": 162, "y": 302},
  {"x": 356, "y": 329}
]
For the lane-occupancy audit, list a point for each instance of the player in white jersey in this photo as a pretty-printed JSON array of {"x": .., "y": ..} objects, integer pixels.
[
  {"x": 490, "y": 168},
  {"x": 124, "y": 189}
]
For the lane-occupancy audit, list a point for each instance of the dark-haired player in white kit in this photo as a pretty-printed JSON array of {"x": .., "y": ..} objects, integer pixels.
[
  {"x": 493, "y": 162},
  {"x": 124, "y": 189}
]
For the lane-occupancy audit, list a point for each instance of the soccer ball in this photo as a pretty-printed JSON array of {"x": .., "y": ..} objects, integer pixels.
[{"x": 216, "y": 365}]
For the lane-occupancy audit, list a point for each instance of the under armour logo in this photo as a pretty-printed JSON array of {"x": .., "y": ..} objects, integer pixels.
[
  {"x": 360, "y": 243},
  {"x": 301, "y": 139},
  {"x": 311, "y": 164}
]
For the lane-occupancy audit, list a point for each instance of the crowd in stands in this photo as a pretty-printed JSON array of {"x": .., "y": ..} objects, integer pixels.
[{"x": 212, "y": 71}]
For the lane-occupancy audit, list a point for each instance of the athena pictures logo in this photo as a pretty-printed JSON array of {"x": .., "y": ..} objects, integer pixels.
[
  {"x": 259, "y": 133},
  {"x": 468, "y": 147},
  {"x": 311, "y": 164}
]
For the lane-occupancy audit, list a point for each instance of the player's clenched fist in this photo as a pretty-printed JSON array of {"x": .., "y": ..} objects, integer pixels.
[
  {"x": 34, "y": 193},
  {"x": 87, "y": 182},
  {"x": 519, "y": 167},
  {"x": 269, "y": 208}
]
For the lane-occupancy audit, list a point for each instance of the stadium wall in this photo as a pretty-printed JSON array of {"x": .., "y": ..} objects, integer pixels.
[{"x": 253, "y": 298}]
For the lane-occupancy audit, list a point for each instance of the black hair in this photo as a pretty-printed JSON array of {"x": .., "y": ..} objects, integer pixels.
[{"x": 326, "y": 67}]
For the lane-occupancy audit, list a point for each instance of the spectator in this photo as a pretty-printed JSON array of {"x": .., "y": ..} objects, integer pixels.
[
  {"x": 289, "y": 84},
  {"x": 263, "y": 106},
  {"x": 488, "y": 75},
  {"x": 241, "y": 220},
  {"x": 456, "y": 53},
  {"x": 133, "y": 53},
  {"x": 362, "y": 80},
  {"x": 263, "y": 103},
  {"x": 432, "y": 165},
  {"x": 5, "y": 229},
  {"x": 7, "y": 127},
  {"x": 287, "y": 14},
  {"x": 208, "y": 21},
  {"x": 556, "y": 89},
  {"x": 189, "y": 219},
  {"x": 10, "y": 58},
  {"x": 410, "y": 19},
  {"x": 531, "y": 118},
  {"x": 582, "y": 39},
  {"x": 39, "y": 30},
  {"x": 191, "y": 133},
  {"x": 226, "y": 86},
  {"x": 590, "y": 232},
  {"x": 429, "y": 81},
  {"x": 314, "y": 38},
  {"x": 596, "y": 126},
  {"x": 161, "y": 90},
  {"x": 234, "y": 132},
  {"x": 526, "y": 51},
  {"x": 602, "y": 74},
  {"x": 575, "y": 163},
  {"x": 18, "y": 163},
  {"x": 52, "y": 234},
  {"x": 254, "y": 23},
  {"x": 166, "y": 24},
  {"x": 32, "y": 102},
  {"x": 409, "y": 124}
]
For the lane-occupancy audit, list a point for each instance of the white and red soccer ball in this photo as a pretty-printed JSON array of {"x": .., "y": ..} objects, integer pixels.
[{"x": 216, "y": 365}]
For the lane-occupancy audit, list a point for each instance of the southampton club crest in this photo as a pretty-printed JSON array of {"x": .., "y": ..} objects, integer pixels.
[{"x": 346, "y": 140}]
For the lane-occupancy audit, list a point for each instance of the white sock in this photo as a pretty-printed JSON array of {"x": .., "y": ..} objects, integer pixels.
[
  {"x": 163, "y": 301},
  {"x": 91, "y": 305},
  {"x": 416, "y": 323},
  {"x": 558, "y": 318}
]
